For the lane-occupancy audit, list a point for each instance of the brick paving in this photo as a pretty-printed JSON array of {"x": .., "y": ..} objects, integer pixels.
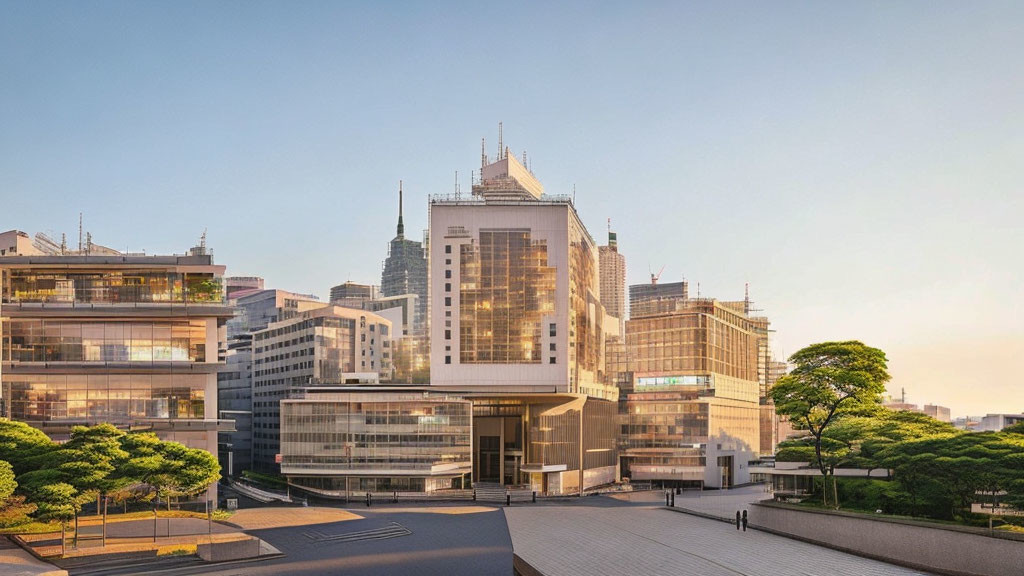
[{"x": 638, "y": 539}]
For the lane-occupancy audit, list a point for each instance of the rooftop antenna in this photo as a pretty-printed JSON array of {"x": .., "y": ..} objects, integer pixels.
[
  {"x": 483, "y": 154},
  {"x": 63, "y": 244},
  {"x": 401, "y": 225},
  {"x": 79, "y": 231},
  {"x": 698, "y": 290},
  {"x": 202, "y": 241},
  {"x": 573, "y": 194},
  {"x": 501, "y": 141},
  {"x": 456, "y": 184},
  {"x": 746, "y": 298},
  {"x": 524, "y": 159}
]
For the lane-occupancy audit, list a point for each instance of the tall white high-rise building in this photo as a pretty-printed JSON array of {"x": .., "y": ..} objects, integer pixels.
[{"x": 517, "y": 326}]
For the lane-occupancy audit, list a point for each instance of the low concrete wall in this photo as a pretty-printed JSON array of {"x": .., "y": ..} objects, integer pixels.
[
  {"x": 953, "y": 550},
  {"x": 233, "y": 550}
]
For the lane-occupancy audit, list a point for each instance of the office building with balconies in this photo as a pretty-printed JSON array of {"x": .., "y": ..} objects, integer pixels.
[{"x": 129, "y": 339}]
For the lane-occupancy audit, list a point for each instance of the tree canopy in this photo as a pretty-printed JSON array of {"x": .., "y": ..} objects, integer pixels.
[{"x": 826, "y": 378}]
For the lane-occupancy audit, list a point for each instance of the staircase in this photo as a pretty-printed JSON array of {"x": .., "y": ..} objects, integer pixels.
[{"x": 492, "y": 492}]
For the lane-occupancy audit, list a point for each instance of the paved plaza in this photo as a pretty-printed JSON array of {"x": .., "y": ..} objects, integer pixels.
[
  {"x": 599, "y": 535},
  {"x": 634, "y": 538}
]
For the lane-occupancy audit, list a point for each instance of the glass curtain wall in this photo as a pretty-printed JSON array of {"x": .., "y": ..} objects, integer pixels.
[
  {"x": 115, "y": 398},
  {"x": 77, "y": 341},
  {"x": 111, "y": 286},
  {"x": 506, "y": 290}
]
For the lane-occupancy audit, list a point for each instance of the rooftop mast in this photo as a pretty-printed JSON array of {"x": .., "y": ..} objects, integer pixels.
[{"x": 401, "y": 225}]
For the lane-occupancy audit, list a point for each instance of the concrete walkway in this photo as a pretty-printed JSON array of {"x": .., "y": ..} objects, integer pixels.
[
  {"x": 16, "y": 562},
  {"x": 720, "y": 503},
  {"x": 636, "y": 539}
]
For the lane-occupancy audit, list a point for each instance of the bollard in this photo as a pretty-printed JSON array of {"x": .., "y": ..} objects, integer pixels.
[
  {"x": 737, "y": 519},
  {"x": 666, "y": 498},
  {"x": 744, "y": 520},
  {"x": 474, "y": 495},
  {"x": 534, "y": 496},
  {"x": 395, "y": 497},
  {"x": 368, "y": 500},
  {"x": 508, "y": 498},
  {"x": 673, "y": 504}
]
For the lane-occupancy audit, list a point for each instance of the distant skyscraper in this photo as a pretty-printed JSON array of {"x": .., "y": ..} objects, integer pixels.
[
  {"x": 352, "y": 294},
  {"x": 405, "y": 270},
  {"x": 644, "y": 298},
  {"x": 613, "y": 278},
  {"x": 237, "y": 286}
]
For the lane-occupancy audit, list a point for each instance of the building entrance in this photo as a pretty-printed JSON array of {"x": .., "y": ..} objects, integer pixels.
[{"x": 489, "y": 459}]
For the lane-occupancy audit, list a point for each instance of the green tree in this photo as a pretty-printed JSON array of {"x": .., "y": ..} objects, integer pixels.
[
  {"x": 101, "y": 445},
  {"x": 23, "y": 446},
  {"x": 168, "y": 469},
  {"x": 13, "y": 508},
  {"x": 828, "y": 377},
  {"x": 57, "y": 501}
]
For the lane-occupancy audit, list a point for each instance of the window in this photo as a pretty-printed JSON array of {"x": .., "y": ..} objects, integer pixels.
[
  {"x": 551, "y": 347},
  {"x": 447, "y": 359},
  {"x": 551, "y": 360},
  {"x": 447, "y": 273},
  {"x": 447, "y": 300},
  {"x": 551, "y": 329},
  {"x": 447, "y": 248},
  {"x": 448, "y": 261},
  {"x": 447, "y": 334},
  {"x": 447, "y": 286}
]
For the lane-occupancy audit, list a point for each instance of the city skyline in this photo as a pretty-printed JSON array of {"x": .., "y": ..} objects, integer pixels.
[{"x": 881, "y": 123}]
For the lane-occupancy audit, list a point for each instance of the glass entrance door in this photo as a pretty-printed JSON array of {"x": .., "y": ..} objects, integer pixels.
[{"x": 490, "y": 459}]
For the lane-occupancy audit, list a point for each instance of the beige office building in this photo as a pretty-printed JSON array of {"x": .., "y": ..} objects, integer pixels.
[
  {"x": 692, "y": 416},
  {"x": 517, "y": 325}
]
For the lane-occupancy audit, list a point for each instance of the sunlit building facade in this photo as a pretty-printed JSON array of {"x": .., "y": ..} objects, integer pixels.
[
  {"x": 325, "y": 346},
  {"x": 517, "y": 325},
  {"x": 130, "y": 340},
  {"x": 613, "y": 280},
  {"x": 692, "y": 414},
  {"x": 343, "y": 443}
]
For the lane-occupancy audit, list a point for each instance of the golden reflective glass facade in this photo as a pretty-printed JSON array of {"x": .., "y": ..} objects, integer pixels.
[
  {"x": 586, "y": 335},
  {"x": 386, "y": 441},
  {"x": 110, "y": 286},
  {"x": 699, "y": 337},
  {"x": 506, "y": 290},
  {"x": 41, "y": 340},
  {"x": 116, "y": 398}
]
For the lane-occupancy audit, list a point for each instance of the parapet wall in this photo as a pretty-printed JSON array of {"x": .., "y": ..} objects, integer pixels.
[{"x": 950, "y": 550}]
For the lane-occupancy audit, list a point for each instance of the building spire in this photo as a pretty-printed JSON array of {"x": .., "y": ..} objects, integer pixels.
[{"x": 401, "y": 225}]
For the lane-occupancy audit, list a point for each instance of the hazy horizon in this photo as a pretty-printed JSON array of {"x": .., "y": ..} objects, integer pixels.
[{"x": 858, "y": 165}]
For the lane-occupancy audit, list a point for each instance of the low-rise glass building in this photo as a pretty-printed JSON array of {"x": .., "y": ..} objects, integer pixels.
[{"x": 344, "y": 443}]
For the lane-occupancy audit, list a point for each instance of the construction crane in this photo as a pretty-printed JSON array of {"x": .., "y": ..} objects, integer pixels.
[{"x": 656, "y": 277}]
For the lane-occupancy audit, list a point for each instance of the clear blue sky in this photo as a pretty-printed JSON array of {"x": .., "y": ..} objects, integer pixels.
[{"x": 860, "y": 164}]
